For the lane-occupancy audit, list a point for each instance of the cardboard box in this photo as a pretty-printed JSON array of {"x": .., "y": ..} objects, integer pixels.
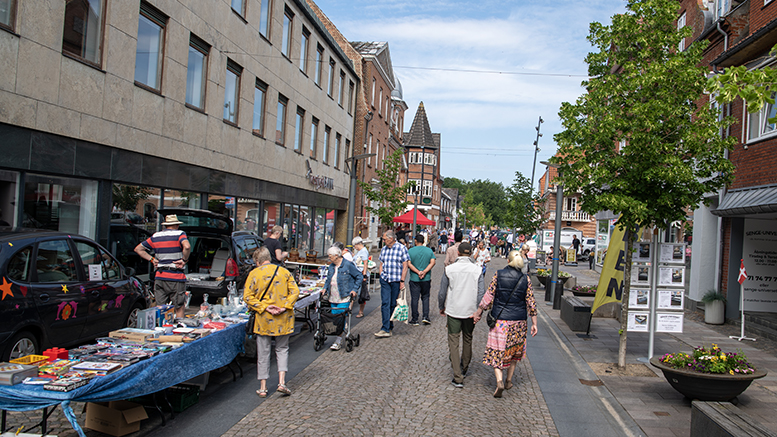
[
  {"x": 116, "y": 418},
  {"x": 133, "y": 334}
]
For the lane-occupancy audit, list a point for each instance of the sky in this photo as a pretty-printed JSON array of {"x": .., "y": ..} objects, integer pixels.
[{"x": 486, "y": 71}]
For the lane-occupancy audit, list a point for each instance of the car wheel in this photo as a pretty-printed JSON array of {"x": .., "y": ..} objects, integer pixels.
[
  {"x": 587, "y": 252},
  {"x": 132, "y": 317},
  {"x": 21, "y": 345}
]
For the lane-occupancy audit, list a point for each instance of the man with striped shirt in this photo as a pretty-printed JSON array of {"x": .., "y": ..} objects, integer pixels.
[{"x": 172, "y": 251}]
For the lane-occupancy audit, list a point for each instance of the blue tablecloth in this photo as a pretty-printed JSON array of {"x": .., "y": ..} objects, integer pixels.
[{"x": 149, "y": 376}]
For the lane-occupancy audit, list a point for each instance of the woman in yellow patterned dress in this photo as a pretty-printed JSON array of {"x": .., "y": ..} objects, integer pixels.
[
  {"x": 271, "y": 291},
  {"x": 511, "y": 293}
]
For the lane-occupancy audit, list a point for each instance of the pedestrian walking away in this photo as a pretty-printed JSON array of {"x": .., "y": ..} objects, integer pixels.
[
  {"x": 422, "y": 261},
  {"x": 271, "y": 291},
  {"x": 511, "y": 293},
  {"x": 461, "y": 288},
  {"x": 362, "y": 261},
  {"x": 172, "y": 249},
  {"x": 393, "y": 271},
  {"x": 453, "y": 252},
  {"x": 343, "y": 284}
]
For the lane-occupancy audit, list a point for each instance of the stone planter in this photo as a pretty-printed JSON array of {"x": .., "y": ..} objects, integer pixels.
[
  {"x": 706, "y": 386},
  {"x": 714, "y": 312},
  {"x": 583, "y": 294}
]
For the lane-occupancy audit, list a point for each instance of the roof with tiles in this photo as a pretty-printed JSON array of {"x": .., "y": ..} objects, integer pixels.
[{"x": 420, "y": 134}]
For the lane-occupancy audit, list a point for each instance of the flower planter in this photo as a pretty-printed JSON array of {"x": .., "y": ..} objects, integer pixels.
[
  {"x": 545, "y": 279},
  {"x": 706, "y": 386},
  {"x": 583, "y": 294},
  {"x": 714, "y": 312}
]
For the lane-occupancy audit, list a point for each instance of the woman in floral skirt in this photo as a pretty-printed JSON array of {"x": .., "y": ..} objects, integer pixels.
[{"x": 511, "y": 293}]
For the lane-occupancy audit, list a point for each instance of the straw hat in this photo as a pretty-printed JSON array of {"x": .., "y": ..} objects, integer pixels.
[{"x": 171, "y": 219}]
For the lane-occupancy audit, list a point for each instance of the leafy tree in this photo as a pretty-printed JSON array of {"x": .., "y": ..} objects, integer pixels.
[
  {"x": 127, "y": 197},
  {"x": 451, "y": 182},
  {"x": 756, "y": 87},
  {"x": 642, "y": 91},
  {"x": 526, "y": 210},
  {"x": 389, "y": 195},
  {"x": 474, "y": 212},
  {"x": 493, "y": 197}
]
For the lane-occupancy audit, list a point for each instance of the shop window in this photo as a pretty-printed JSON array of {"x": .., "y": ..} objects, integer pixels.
[
  {"x": 223, "y": 205},
  {"x": 54, "y": 262},
  {"x": 7, "y": 13},
  {"x": 247, "y": 215},
  {"x": 181, "y": 199},
  {"x": 319, "y": 227},
  {"x": 260, "y": 97},
  {"x": 8, "y": 182},
  {"x": 264, "y": 19},
  {"x": 82, "y": 35},
  {"x": 148, "y": 55},
  {"x": 60, "y": 204},
  {"x": 196, "y": 72},
  {"x": 232, "y": 92},
  {"x": 130, "y": 201},
  {"x": 271, "y": 217}
]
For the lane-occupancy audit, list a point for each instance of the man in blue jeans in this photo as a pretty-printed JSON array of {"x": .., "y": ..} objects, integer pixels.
[{"x": 393, "y": 270}]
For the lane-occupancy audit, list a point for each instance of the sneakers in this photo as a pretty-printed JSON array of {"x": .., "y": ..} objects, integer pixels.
[
  {"x": 382, "y": 334},
  {"x": 426, "y": 322},
  {"x": 414, "y": 323},
  {"x": 457, "y": 384},
  {"x": 335, "y": 346}
]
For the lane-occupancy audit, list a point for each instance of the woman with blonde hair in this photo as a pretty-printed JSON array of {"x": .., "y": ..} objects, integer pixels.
[
  {"x": 511, "y": 293},
  {"x": 272, "y": 292}
]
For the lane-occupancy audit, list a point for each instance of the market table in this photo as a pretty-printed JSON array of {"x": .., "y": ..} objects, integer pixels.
[
  {"x": 303, "y": 306},
  {"x": 145, "y": 377}
]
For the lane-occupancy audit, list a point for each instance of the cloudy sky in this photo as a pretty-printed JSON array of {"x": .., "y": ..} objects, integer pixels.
[{"x": 485, "y": 70}]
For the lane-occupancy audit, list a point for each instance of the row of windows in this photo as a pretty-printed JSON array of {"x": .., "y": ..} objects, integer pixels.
[{"x": 415, "y": 158}]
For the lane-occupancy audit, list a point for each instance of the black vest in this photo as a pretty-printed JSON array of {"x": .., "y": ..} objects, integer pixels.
[{"x": 506, "y": 281}]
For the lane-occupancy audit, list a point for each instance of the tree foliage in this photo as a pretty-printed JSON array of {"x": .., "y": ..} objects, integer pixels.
[
  {"x": 126, "y": 197},
  {"x": 642, "y": 91},
  {"x": 526, "y": 208},
  {"x": 474, "y": 212},
  {"x": 491, "y": 195},
  {"x": 387, "y": 193}
]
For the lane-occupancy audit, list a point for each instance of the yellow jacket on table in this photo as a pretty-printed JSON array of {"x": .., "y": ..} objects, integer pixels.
[{"x": 282, "y": 293}]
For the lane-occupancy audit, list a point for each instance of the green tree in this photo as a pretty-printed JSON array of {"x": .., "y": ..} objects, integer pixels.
[
  {"x": 525, "y": 208},
  {"x": 474, "y": 211},
  {"x": 494, "y": 198},
  {"x": 389, "y": 195},
  {"x": 642, "y": 91},
  {"x": 451, "y": 182},
  {"x": 127, "y": 197}
]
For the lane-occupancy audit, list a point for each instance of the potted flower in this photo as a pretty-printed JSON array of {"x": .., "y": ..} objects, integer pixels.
[
  {"x": 714, "y": 307},
  {"x": 584, "y": 290},
  {"x": 544, "y": 274},
  {"x": 708, "y": 374}
]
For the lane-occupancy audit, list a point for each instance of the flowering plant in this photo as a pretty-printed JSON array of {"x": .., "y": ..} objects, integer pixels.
[
  {"x": 710, "y": 360},
  {"x": 591, "y": 289},
  {"x": 547, "y": 272}
]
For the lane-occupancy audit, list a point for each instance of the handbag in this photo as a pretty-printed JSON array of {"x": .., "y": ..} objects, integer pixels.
[
  {"x": 401, "y": 310},
  {"x": 252, "y": 314},
  {"x": 490, "y": 319}
]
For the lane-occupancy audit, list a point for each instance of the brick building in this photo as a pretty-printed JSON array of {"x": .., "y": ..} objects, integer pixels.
[
  {"x": 739, "y": 33},
  {"x": 572, "y": 218},
  {"x": 422, "y": 165}
]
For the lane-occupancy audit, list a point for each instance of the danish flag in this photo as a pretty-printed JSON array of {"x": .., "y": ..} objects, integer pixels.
[{"x": 742, "y": 273}]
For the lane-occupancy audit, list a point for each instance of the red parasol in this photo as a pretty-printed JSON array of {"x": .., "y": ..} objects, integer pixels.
[{"x": 408, "y": 218}]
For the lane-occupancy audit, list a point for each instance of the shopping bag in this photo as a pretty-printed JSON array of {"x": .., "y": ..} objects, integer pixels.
[{"x": 401, "y": 310}]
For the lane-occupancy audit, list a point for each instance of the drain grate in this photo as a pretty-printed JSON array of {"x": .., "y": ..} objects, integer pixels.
[{"x": 591, "y": 382}]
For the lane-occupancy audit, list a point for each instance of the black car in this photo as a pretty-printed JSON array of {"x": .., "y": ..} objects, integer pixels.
[
  {"x": 124, "y": 237},
  {"x": 220, "y": 259},
  {"x": 61, "y": 290}
]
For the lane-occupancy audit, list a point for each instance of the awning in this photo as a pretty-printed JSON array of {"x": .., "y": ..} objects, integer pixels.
[{"x": 748, "y": 201}]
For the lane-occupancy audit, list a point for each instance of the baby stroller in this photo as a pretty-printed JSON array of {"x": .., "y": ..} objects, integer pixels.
[{"x": 333, "y": 321}]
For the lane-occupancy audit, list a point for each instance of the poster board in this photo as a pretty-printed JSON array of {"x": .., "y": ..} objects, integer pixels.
[
  {"x": 669, "y": 322},
  {"x": 671, "y": 299},
  {"x": 638, "y": 321},
  {"x": 642, "y": 252},
  {"x": 639, "y": 298},
  {"x": 542, "y": 257},
  {"x": 759, "y": 251},
  {"x": 641, "y": 274},
  {"x": 672, "y": 253},
  {"x": 571, "y": 256},
  {"x": 671, "y": 276}
]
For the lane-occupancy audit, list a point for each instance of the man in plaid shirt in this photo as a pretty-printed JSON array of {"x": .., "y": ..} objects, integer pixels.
[{"x": 393, "y": 270}]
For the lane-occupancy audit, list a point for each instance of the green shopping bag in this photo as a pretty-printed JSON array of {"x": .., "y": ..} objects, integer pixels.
[{"x": 401, "y": 310}]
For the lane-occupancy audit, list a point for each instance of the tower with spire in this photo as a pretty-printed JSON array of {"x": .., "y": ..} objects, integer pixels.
[{"x": 422, "y": 165}]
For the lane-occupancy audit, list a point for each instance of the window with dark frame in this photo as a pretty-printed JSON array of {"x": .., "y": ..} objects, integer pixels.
[
  {"x": 330, "y": 87},
  {"x": 83, "y": 31},
  {"x": 232, "y": 91},
  {"x": 319, "y": 64},
  {"x": 264, "y": 18},
  {"x": 338, "y": 138},
  {"x": 280, "y": 121},
  {"x": 196, "y": 72},
  {"x": 325, "y": 151},
  {"x": 260, "y": 97},
  {"x": 303, "y": 50},
  {"x": 350, "y": 97},
  {"x": 239, "y": 7},
  {"x": 299, "y": 129},
  {"x": 341, "y": 90},
  {"x": 313, "y": 137},
  {"x": 372, "y": 94},
  {"x": 288, "y": 28},
  {"x": 348, "y": 155},
  {"x": 148, "y": 54},
  {"x": 7, "y": 14}
]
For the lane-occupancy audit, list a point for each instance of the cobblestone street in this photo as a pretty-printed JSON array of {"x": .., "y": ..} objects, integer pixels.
[{"x": 402, "y": 386}]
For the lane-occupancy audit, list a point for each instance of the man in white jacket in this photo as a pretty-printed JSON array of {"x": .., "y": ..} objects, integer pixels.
[{"x": 461, "y": 289}]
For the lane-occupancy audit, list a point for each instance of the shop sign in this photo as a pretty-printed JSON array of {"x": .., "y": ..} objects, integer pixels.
[{"x": 319, "y": 181}]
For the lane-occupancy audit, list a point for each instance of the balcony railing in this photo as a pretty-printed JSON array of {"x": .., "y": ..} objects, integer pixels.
[{"x": 571, "y": 216}]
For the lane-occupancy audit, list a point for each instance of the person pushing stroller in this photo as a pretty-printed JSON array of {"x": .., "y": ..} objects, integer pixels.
[{"x": 343, "y": 284}]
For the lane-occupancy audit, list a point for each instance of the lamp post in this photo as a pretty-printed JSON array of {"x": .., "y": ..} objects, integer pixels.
[
  {"x": 534, "y": 164},
  {"x": 352, "y": 191},
  {"x": 556, "y": 240}
]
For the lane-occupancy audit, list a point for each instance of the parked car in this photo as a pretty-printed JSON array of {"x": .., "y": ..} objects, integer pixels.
[
  {"x": 123, "y": 239},
  {"x": 61, "y": 290},
  {"x": 220, "y": 259},
  {"x": 128, "y": 217},
  {"x": 587, "y": 245}
]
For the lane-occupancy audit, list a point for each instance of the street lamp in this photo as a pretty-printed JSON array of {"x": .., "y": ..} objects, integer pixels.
[
  {"x": 534, "y": 164},
  {"x": 352, "y": 191},
  {"x": 556, "y": 239}
]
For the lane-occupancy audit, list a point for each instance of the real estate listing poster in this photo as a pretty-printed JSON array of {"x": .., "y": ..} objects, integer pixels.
[
  {"x": 759, "y": 250},
  {"x": 672, "y": 253},
  {"x": 670, "y": 299},
  {"x": 671, "y": 276},
  {"x": 669, "y": 322},
  {"x": 639, "y": 298},
  {"x": 637, "y": 322},
  {"x": 640, "y": 274}
]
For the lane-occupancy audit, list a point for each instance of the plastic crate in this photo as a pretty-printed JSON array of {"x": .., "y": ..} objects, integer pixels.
[
  {"x": 30, "y": 359},
  {"x": 182, "y": 397}
]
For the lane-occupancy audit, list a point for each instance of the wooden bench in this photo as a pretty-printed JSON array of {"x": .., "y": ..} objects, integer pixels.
[
  {"x": 723, "y": 419},
  {"x": 575, "y": 313}
]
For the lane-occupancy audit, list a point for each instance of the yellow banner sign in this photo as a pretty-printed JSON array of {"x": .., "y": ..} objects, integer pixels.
[{"x": 610, "y": 285}]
